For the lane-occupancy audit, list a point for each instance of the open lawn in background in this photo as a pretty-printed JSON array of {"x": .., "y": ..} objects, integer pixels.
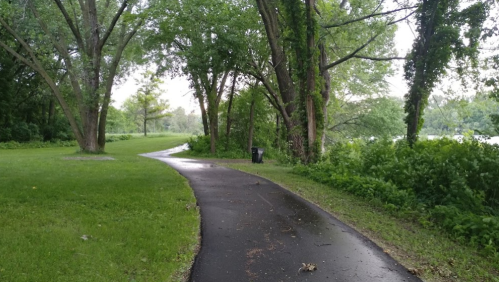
[
  {"x": 428, "y": 252},
  {"x": 117, "y": 216}
]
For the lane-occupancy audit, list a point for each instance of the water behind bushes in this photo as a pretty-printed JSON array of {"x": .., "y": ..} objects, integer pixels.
[{"x": 487, "y": 139}]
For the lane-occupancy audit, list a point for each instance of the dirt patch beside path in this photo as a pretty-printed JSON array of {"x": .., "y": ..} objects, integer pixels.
[{"x": 93, "y": 158}]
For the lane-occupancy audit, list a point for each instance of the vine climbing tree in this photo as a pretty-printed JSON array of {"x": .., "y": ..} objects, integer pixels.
[
  {"x": 306, "y": 45},
  {"x": 444, "y": 32}
]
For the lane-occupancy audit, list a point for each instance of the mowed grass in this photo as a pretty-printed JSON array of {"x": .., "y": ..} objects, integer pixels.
[
  {"x": 430, "y": 253},
  {"x": 95, "y": 220}
]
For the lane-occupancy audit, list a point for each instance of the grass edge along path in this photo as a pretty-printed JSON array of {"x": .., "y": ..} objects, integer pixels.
[
  {"x": 426, "y": 252},
  {"x": 69, "y": 217}
]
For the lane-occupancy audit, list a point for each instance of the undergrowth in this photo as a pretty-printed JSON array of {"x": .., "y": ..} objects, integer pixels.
[
  {"x": 56, "y": 143},
  {"x": 439, "y": 183},
  {"x": 199, "y": 146}
]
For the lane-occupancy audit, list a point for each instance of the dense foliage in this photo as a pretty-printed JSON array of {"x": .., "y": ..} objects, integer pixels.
[{"x": 444, "y": 183}]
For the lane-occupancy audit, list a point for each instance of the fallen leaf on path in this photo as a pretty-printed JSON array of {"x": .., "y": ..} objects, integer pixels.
[
  {"x": 308, "y": 267},
  {"x": 415, "y": 271}
]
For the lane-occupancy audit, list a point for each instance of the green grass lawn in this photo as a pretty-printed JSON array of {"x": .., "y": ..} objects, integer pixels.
[
  {"x": 95, "y": 220},
  {"x": 431, "y": 253}
]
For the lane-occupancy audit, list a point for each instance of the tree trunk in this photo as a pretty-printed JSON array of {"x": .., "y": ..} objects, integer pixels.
[
  {"x": 124, "y": 40},
  {"x": 214, "y": 96},
  {"x": 251, "y": 125},
  {"x": 229, "y": 119},
  {"x": 213, "y": 118},
  {"x": 325, "y": 91},
  {"x": 198, "y": 94},
  {"x": 90, "y": 142},
  {"x": 268, "y": 12},
  {"x": 311, "y": 102},
  {"x": 420, "y": 90},
  {"x": 277, "y": 131},
  {"x": 204, "y": 115},
  {"x": 213, "y": 128},
  {"x": 51, "y": 113},
  {"x": 145, "y": 121}
]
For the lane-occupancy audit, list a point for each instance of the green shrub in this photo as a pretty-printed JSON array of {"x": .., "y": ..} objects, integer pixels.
[
  {"x": 199, "y": 144},
  {"x": 114, "y": 138},
  {"x": 446, "y": 183},
  {"x": 37, "y": 144},
  {"x": 5, "y": 134}
]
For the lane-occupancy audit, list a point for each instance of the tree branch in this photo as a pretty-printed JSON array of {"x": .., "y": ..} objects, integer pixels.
[
  {"x": 25, "y": 45},
  {"x": 351, "y": 55},
  {"x": 65, "y": 55},
  {"x": 394, "y": 22},
  {"x": 368, "y": 16},
  {"x": 18, "y": 56},
  {"x": 74, "y": 30},
  {"x": 346, "y": 122},
  {"x": 222, "y": 86},
  {"x": 37, "y": 66},
  {"x": 273, "y": 98},
  {"x": 112, "y": 25},
  {"x": 379, "y": 59}
]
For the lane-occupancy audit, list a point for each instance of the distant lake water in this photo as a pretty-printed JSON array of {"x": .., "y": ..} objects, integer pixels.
[{"x": 489, "y": 140}]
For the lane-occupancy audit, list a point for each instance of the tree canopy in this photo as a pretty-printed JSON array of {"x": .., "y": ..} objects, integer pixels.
[{"x": 314, "y": 71}]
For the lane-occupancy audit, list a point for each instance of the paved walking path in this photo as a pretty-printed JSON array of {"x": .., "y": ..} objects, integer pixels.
[{"x": 254, "y": 230}]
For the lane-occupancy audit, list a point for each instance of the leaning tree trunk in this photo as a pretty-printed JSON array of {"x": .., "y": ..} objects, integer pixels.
[
  {"x": 204, "y": 115},
  {"x": 198, "y": 94},
  {"x": 268, "y": 12},
  {"x": 124, "y": 39}
]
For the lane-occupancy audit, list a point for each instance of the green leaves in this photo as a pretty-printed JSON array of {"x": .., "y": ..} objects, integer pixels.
[
  {"x": 443, "y": 31},
  {"x": 453, "y": 184}
]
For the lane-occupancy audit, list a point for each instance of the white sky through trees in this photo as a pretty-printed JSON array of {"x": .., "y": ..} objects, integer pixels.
[{"x": 178, "y": 94}]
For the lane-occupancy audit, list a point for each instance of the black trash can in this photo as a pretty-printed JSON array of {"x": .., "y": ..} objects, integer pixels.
[{"x": 257, "y": 155}]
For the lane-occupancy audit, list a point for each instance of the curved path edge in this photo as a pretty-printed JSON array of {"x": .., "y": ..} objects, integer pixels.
[{"x": 254, "y": 230}]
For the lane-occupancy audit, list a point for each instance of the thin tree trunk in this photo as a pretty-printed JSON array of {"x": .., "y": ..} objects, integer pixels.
[
  {"x": 198, "y": 94},
  {"x": 145, "y": 120},
  {"x": 124, "y": 40},
  {"x": 229, "y": 118},
  {"x": 251, "y": 125},
  {"x": 51, "y": 113},
  {"x": 204, "y": 116},
  {"x": 325, "y": 92},
  {"x": 213, "y": 129},
  {"x": 278, "y": 131}
]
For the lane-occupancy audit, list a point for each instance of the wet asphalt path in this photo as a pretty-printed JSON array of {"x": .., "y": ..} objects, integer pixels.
[{"x": 254, "y": 230}]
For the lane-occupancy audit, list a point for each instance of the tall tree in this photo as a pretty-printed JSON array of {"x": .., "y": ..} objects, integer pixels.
[
  {"x": 89, "y": 38},
  {"x": 304, "y": 49},
  {"x": 147, "y": 98},
  {"x": 443, "y": 31},
  {"x": 207, "y": 39}
]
